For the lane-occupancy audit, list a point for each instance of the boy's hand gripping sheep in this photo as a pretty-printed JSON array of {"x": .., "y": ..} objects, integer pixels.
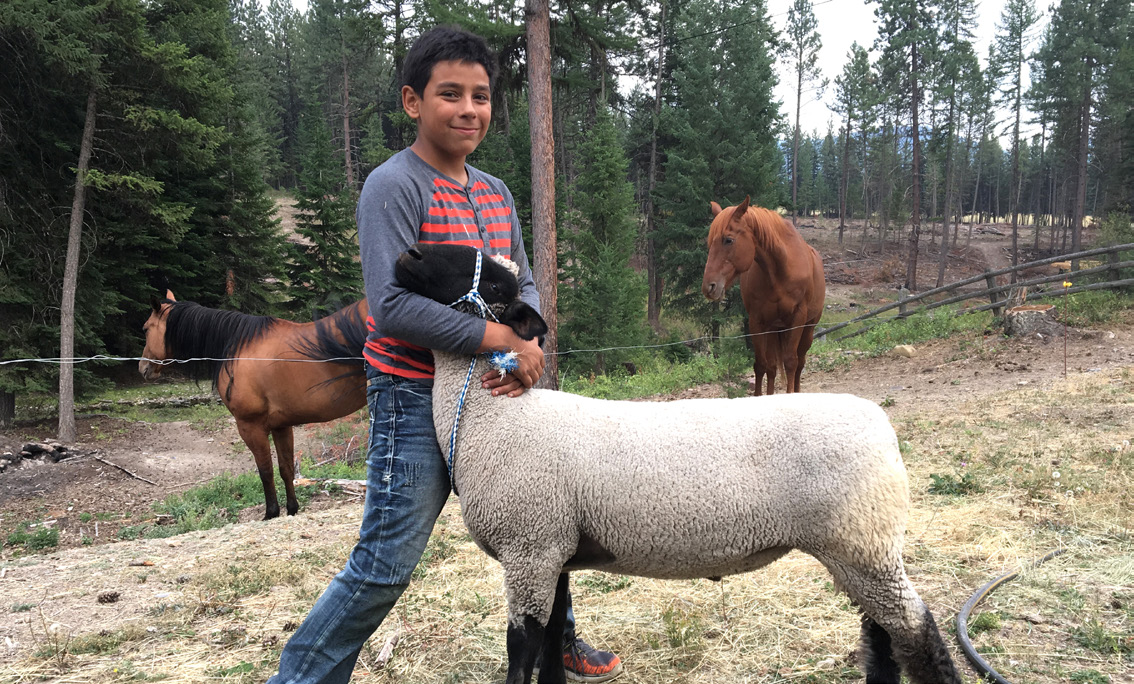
[{"x": 552, "y": 482}]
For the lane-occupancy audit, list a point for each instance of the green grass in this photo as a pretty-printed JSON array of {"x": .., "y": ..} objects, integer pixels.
[
  {"x": 1095, "y": 636},
  {"x": 27, "y": 539},
  {"x": 105, "y": 641},
  {"x": 201, "y": 416},
  {"x": 219, "y": 501},
  {"x": 984, "y": 622},
  {"x": 920, "y": 327},
  {"x": 1083, "y": 309},
  {"x": 1089, "y": 677},
  {"x": 656, "y": 378},
  {"x": 951, "y": 485}
]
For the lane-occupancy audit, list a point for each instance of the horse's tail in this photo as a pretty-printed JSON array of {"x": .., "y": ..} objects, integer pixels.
[{"x": 339, "y": 337}]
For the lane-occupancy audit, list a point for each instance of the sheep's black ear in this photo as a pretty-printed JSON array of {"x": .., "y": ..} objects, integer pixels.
[{"x": 524, "y": 320}]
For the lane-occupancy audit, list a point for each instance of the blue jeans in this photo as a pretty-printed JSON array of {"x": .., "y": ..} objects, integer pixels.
[{"x": 407, "y": 484}]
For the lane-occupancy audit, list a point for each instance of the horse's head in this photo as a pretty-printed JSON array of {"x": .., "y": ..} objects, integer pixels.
[
  {"x": 444, "y": 273},
  {"x": 154, "y": 330},
  {"x": 731, "y": 249}
]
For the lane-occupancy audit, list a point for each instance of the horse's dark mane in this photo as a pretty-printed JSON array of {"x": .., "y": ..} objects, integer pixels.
[{"x": 195, "y": 331}]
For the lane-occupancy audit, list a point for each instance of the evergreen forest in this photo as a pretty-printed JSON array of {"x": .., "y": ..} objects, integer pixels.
[{"x": 145, "y": 145}]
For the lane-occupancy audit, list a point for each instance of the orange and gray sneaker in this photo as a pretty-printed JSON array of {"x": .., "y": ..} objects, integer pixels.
[{"x": 585, "y": 663}]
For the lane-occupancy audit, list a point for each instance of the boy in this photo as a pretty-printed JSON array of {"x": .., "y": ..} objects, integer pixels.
[{"x": 425, "y": 193}]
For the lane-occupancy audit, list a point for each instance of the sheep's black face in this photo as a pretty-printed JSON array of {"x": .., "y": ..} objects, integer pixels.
[{"x": 444, "y": 273}]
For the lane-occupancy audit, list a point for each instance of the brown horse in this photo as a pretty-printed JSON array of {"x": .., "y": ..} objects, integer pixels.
[
  {"x": 270, "y": 373},
  {"x": 781, "y": 285}
]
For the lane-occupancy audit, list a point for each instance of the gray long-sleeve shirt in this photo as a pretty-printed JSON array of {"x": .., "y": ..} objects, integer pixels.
[{"x": 405, "y": 200}]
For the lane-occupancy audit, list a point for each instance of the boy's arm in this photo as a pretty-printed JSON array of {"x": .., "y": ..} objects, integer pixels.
[
  {"x": 531, "y": 358},
  {"x": 389, "y": 216}
]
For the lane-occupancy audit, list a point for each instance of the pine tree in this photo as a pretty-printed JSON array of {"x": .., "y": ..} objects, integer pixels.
[
  {"x": 603, "y": 298},
  {"x": 829, "y": 174},
  {"x": 801, "y": 47},
  {"x": 323, "y": 270},
  {"x": 145, "y": 90},
  {"x": 720, "y": 142},
  {"x": 853, "y": 100},
  {"x": 904, "y": 34},
  {"x": 952, "y": 55},
  {"x": 1012, "y": 41},
  {"x": 341, "y": 38},
  {"x": 1082, "y": 40}
]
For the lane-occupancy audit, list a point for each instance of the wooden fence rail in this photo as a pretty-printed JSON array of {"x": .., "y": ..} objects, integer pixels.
[{"x": 992, "y": 289}]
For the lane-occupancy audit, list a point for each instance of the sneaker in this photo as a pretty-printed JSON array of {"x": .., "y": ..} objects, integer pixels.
[{"x": 585, "y": 663}]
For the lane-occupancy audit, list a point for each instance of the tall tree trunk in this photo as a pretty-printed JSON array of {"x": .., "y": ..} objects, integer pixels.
[
  {"x": 1015, "y": 199},
  {"x": 1081, "y": 189},
  {"x": 653, "y": 277},
  {"x": 915, "y": 200},
  {"x": 71, "y": 279},
  {"x": 538, "y": 16},
  {"x": 7, "y": 408},
  {"x": 949, "y": 173},
  {"x": 397, "y": 140},
  {"x": 1038, "y": 185},
  {"x": 795, "y": 150},
  {"x": 844, "y": 182},
  {"x": 346, "y": 119},
  {"x": 976, "y": 185}
]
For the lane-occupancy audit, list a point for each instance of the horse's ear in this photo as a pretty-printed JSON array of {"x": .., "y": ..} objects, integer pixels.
[
  {"x": 524, "y": 320},
  {"x": 169, "y": 296},
  {"x": 741, "y": 209},
  {"x": 715, "y": 208}
]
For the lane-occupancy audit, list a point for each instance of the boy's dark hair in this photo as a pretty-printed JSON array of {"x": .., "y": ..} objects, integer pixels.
[{"x": 445, "y": 44}]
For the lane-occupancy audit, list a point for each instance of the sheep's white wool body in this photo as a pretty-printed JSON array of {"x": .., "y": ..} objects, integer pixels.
[{"x": 683, "y": 489}]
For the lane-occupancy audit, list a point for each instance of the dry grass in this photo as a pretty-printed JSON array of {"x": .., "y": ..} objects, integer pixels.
[{"x": 220, "y": 605}]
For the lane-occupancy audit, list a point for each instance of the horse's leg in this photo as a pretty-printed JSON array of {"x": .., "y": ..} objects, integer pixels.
[
  {"x": 788, "y": 347},
  {"x": 759, "y": 367},
  {"x": 771, "y": 361},
  {"x": 257, "y": 440},
  {"x": 801, "y": 352},
  {"x": 285, "y": 457}
]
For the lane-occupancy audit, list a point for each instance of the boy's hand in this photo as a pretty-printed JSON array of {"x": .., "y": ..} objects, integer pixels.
[{"x": 531, "y": 361}]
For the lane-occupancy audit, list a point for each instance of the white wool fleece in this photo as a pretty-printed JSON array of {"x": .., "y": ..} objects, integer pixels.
[{"x": 683, "y": 489}]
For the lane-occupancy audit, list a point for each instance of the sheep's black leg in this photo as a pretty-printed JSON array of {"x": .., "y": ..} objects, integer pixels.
[
  {"x": 877, "y": 655},
  {"x": 927, "y": 659},
  {"x": 551, "y": 669},
  {"x": 524, "y": 642},
  {"x": 891, "y": 602}
]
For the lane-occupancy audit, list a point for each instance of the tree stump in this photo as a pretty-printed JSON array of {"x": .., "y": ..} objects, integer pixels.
[{"x": 1032, "y": 320}]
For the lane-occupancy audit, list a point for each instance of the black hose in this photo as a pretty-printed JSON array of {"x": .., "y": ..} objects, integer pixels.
[{"x": 986, "y": 672}]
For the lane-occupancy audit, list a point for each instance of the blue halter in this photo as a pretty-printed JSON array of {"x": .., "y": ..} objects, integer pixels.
[{"x": 474, "y": 296}]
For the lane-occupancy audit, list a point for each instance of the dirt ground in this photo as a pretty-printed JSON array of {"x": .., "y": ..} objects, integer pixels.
[{"x": 175, "y": 456}]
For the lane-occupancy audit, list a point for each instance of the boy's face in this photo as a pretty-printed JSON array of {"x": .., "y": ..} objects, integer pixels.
[{"x": 452, "y": 114}]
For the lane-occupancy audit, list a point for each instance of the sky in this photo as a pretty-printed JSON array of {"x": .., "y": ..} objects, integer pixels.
[{"x": 843, "y": 22}]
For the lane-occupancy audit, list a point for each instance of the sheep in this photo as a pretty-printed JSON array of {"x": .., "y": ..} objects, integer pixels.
[{"x": 552, "y": 482}]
